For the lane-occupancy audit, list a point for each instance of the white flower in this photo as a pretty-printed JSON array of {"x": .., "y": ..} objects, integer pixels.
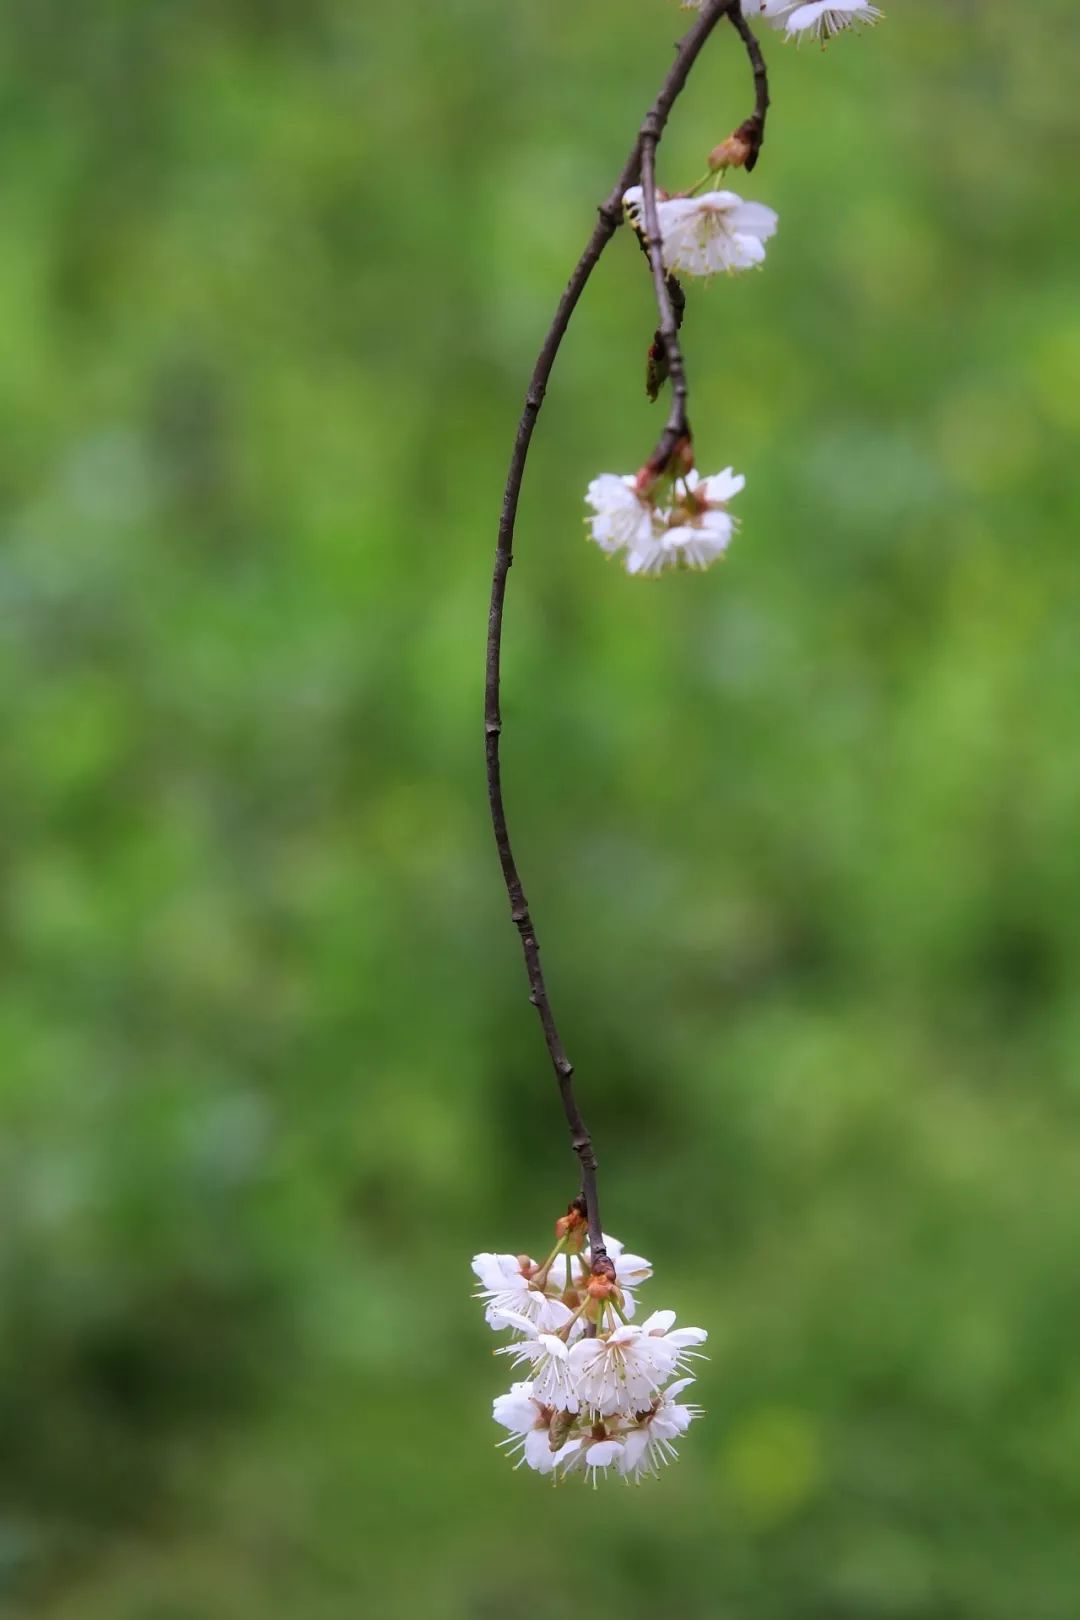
[
  {"x": 649, "y": 1442},
  {"x": 821, "y": 19},
  {"x": 553, "y": 1379},
  {"x": 718, "y": 489},
  {"x": 505, "y": 1286},
  {"x": 691, "y": 530},
  {"x": 620, "y": 1371},
  {"x": 703, "y": 235},
  {"x": 694, "y": 544},
  {"x": 700, "y": 528},
  {"x": 670, "y": 1350},
  {"x": 503, "y": 1283},
  {"x": 529, "y": 1422},
  {"x": 621, "y": 518},
  {"x": 698, "y": 544}
]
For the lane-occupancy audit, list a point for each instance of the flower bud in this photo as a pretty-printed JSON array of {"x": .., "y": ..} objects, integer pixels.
[
  {"x": 740, "y": 150},
  {"x": 575, "y": 1220},
  {"x": 730, "y": 154}
]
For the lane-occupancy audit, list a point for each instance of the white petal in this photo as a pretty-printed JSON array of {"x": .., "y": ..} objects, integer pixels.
[
  {"x": 722, "y": 486},
  {"x": 516, "y": 1410},
  {"x": 538, "y": 1452},
  {"x": 603, "y": 1453},
  {"x": 754, "y": 219},
  {"x": 635, "y": 1447},
  {"x": 658, "y": 1322},
  {"x": 498, "y": 1271},
  {"x": 632, "y": 1270},
  {"x": 513, "y": 1319},
  {"x": 683, "y": 1337}
]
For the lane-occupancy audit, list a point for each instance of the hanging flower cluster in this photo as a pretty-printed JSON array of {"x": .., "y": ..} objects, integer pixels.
[
  {"x": 676, "y": 521},
  {"x": 603, "y": 1390},
  {"x": 601, "y": 1396}
]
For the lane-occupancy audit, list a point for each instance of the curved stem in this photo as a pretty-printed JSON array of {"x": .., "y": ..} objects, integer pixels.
[
  {"x": 753, "y": 130},
  {"x": 610, "y": 217},
  {"x": 677, "y": 426}
]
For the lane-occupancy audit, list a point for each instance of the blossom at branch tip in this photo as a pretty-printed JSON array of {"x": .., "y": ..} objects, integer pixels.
[
  {"x": 701, "y": 236},
  {"x": 622, "y": 517},
  {"x": 688, "y": 527},
  {"x": 552, "y": 1376},
  {"x": 620, "y": 1371},
  {"x": 701, "y": 527},
  {"x": 600, "y": 1397},
  {"x": 529, "y": 1422},
  {"x": 821, "y": 19},
  {"x": 650, "y": 1441},
  {"x": 624, "y": 1370},
  {"x": 507, "y": 1284}
]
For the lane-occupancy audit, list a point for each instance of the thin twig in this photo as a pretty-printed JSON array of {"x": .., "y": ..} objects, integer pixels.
[
  {"x": 677, "y": 435},
  {"x": 610, "y": 217},
  {"x": 677, "y": 426},
  {"x": 753, "y": 130}
]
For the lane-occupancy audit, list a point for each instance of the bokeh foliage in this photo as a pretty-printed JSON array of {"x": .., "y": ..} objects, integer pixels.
[{"x": 801, "y": 835}]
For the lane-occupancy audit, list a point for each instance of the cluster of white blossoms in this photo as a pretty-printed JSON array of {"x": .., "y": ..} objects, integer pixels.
[
  {"x": 602, "y": 1395},
  {"x": 820, "y": 19},
  {"x": 679, "y": 522}
]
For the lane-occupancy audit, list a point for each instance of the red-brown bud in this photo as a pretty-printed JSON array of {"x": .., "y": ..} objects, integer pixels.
[
  {"x": 730, "y": 154},
  {"x": 740, "y": 149}
]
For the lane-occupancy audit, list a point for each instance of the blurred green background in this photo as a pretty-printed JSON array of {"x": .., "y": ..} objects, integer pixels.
[{"x": 801, "y": 834}]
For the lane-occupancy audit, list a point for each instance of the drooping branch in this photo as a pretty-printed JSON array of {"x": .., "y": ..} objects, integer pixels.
[{"x": 609, "y": 218}]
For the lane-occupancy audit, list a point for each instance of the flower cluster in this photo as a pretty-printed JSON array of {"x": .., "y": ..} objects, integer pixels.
[
  {"x": 602, "y": 1394},
  {"x": 820, "y": 19},
  {"x": 661, "y": 523}
]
